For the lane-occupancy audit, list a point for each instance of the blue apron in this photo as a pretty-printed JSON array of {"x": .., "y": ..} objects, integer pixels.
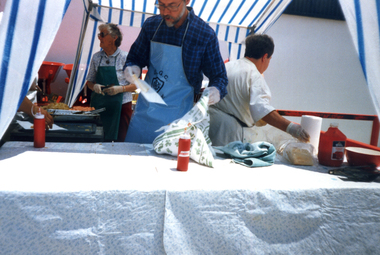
[{"x": 167, "y": 76}]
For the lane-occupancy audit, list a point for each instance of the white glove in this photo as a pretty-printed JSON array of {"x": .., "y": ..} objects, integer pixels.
[
  {"x": 132, "y": 70},
  {"x": 214, "y": 95},
  {"x": 113, "y": 90},
  {"x": 298, "y": 132},
  {"x": 98, "y": 88}
]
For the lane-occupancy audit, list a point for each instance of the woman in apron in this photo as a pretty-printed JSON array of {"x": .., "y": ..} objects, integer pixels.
[{"x": 112, "y": 90}]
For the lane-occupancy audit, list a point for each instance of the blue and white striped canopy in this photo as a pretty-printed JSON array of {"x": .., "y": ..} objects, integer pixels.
[
  {"x": 232, "y": 21},
  {"x": 27, "y": 30},
  {"x": 363, "y": 19}
]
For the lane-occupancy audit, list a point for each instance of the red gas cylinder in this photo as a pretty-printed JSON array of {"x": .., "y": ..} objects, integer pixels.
[
  {"x": 331, "y": 147},
  {"x": 183, "y": 152}
]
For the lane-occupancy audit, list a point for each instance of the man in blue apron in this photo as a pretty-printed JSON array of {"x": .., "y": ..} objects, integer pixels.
[{"x": 178, "y": 48}]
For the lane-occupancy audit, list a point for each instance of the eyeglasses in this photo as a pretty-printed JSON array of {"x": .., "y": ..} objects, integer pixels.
[
  {"x": 102, "y": 35},
  {"x": 171, "y": 8}
]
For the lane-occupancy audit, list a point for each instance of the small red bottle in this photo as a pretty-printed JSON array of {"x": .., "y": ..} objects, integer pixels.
[
  {"x": 331, "y": 147},
  {"x": 39, "y": 130},
  {"x": 183, "y": 152}
]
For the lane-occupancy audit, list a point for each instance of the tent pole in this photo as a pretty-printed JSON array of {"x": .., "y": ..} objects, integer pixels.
[
  {"x": 262, "y": 16},
  {"x": 78, "y": 53}
]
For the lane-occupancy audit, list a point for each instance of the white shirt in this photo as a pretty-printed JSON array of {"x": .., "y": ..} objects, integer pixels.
[{"x": 246, "y": 86}]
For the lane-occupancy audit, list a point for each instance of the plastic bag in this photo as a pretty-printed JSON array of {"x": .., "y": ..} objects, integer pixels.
[
  {"x": 147, "y": 91},
  {"x": 196, "y": 123},
  {"x": 292, "y": 150},
  {"x": 298, "y": 153}
]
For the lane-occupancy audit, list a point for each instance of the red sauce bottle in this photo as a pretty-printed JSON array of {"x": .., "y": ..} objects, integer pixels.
[
  {"x": 183, "y": 152},
  {"x": 331, "y": 147},
  {"x": 39, "y": 130}
]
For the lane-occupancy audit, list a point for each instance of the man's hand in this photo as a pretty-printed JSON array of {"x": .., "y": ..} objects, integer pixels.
[
  {"x": 113, "y": 90},
  {"x": 214, "y": 95},
  {"x": 129, "y": 71},
  {"x": 48, "y": 119},
  {"x": 298, "y": 132},
  {"x": 98, "y": 88}
]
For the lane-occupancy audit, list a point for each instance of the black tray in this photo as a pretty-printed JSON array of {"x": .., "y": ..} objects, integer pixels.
[
  {"x": 75, "y": 128},
  {"x": 72, "y": 116},
  {"x": 70, "y": 128}
]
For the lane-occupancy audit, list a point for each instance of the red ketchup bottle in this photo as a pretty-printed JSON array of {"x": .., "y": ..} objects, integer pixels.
[
  {"x": 331, "y": 147},
  {"x": 183, "y": 152},
  {"x": 39, "y": 130}
]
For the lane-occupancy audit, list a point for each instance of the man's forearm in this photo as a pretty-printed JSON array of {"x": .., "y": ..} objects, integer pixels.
[{"x": 276, "y": 120}]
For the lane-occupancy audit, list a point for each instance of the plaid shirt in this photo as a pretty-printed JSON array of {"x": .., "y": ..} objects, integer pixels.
[{"x": 200, "y": 52}]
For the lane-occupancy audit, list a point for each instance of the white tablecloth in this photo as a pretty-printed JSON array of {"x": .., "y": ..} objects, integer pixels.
[{"x": 120, "y": 198}]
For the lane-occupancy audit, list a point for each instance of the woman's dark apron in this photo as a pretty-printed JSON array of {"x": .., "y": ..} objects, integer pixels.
[{"x": 106, "y": 75}]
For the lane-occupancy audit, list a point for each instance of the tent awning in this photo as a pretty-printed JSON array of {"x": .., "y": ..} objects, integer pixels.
[
  {"x": 239, "y": 15},
  {"x": 363, "y": 19}
]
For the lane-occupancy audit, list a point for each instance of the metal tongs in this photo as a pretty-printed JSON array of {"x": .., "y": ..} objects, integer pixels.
[
  {"x": 91, "y": 112},
  {"x": 366, "y": 173}
]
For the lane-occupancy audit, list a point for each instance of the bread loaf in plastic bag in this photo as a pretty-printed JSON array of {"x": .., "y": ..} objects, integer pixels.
[{"x": 289, "y": 148}]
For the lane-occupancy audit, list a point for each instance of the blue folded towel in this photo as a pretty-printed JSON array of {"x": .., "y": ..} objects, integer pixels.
[{"x": 250, "y": 154}]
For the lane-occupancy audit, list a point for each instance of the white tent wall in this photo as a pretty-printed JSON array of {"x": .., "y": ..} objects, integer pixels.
[
  {"x": 27, "y": 31},
  {"x": 315, "y": 66}
]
